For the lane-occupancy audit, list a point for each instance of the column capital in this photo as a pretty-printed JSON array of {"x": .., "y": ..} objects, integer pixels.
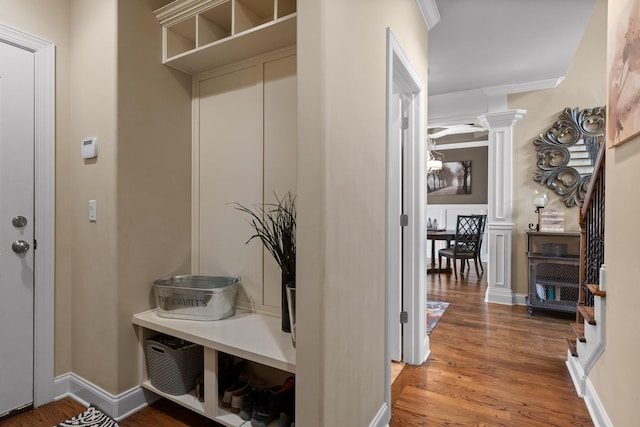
[{"x": 501, "y": 119}]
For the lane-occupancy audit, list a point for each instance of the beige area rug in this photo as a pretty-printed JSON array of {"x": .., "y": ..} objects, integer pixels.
[{"x": 396, "y": 367}]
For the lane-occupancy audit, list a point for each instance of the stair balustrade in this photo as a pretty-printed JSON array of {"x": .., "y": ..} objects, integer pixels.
[
  {"x": 592, "y": 233},
  {"x": 587, "y": 344}
]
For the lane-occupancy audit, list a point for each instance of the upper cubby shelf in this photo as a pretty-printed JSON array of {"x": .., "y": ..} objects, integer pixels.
[{"x": 199, "y": 35}]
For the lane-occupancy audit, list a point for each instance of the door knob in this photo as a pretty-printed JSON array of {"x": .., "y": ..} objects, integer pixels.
[
  {"x": 20, "y": 246},
  {"x": 19, "y": 221}
]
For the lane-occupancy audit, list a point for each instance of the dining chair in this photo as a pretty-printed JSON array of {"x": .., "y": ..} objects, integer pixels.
[
  {"x": 479, "y": 249},
  {"x": 466, "y": 246}
]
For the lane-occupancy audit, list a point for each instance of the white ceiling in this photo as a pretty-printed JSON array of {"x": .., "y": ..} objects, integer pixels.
[{"x": 509, "y": 44}]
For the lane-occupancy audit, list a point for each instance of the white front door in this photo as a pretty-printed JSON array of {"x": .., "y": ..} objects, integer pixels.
[{"x": 16, "y": 227}]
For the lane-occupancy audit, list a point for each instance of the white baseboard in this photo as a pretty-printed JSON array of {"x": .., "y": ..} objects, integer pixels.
[
  {"x": 499, "y": 296},
  {"x": 426, "y": 348},
  {"x": 504, "y": 299},
  {"x": 86, "y": 393},
  {"x": 382, "y": 418},
  {"x": 596, "y": 410},
  {"x": 577, "y": 374},
  {"x": 585, "y": 390},
  {"x": 520, "y": 299}
]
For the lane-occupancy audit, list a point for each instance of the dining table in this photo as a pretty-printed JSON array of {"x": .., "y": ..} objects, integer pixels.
[{"x": 443, "y": 235}]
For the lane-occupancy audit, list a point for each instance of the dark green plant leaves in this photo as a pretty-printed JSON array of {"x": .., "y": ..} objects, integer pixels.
[{"x": 275, "y": 226}]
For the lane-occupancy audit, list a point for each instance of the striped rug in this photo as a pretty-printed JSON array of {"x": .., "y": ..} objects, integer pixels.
[{"x": 92, "y": 417}]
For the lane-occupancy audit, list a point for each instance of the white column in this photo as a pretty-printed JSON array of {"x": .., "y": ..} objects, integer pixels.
[{"x": 500, "y": 215}]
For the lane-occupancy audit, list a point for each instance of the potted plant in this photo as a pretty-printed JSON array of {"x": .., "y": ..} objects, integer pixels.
[{"x": 275, "y": 226}]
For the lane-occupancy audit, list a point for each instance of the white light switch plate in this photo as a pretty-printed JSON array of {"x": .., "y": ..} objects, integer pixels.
[{"x": 92, "y": 210}]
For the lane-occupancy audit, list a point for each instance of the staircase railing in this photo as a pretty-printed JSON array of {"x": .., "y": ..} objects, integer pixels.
[{"x": 592, "y": 232}]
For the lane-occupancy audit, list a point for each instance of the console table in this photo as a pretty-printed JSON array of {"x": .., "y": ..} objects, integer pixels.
[{"x": 554, "y": 270}]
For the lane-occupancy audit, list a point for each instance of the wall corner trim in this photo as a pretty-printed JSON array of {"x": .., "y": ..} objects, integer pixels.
[
  {"x": 86, "y": 393},
  {"x": 382, "y": 418}
]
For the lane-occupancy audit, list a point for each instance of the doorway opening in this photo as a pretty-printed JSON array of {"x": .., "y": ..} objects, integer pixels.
[{"x": 405, "y": 333}]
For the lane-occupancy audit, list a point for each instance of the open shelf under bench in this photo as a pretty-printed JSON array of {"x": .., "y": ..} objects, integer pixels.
[
  {"x": 250, "y": 336},
  {"x": 190, "y": 401}
]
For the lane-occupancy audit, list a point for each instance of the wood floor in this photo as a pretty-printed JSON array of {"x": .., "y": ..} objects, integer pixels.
[
  {"x": 490, "y": 365},
  {"x": 160, "y": 414}
]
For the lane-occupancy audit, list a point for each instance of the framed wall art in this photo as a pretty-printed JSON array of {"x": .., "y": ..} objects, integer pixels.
[
  {"x": 623, "y": 63},
  {"x": 453, "y": 178}
]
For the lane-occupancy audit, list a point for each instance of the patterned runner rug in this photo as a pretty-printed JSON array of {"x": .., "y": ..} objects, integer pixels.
[
  {"x": 92, "y": 417},
  {"x": 435, "y": 310}
]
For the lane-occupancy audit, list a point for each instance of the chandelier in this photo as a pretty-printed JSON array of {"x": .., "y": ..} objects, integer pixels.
[{"x": 434, "y": 158}]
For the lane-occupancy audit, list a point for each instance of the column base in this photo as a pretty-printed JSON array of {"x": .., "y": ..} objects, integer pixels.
[{"x": 499, "y": 296}]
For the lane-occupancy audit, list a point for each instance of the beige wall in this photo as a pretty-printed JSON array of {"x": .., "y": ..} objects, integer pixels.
[
  {"x": 616, "y": 376},
  {"x": 153, "y": 173},
  {"x": 141, "y": 181},
  {"x": 341, "y": 195},
  {"x": 50, "y": 20},
  {"x": 584, "y": 86},
  {"x": 94, "y": 257},
  {"x": 140, "y": 111}
]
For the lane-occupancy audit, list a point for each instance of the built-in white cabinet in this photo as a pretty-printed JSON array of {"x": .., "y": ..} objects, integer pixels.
[
  {"x": 200, "y": 35},
  {"x": 242, "y": 56},
  {"x": 245, "y": 127}
]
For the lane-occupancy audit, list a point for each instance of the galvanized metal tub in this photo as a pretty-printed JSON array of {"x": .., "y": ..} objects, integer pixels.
[{"x": 196, "y": 297}]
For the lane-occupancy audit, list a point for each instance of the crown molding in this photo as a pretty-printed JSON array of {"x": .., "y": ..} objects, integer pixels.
[
  {"x": 430, "y": 12},
  {"x": 181, "y": 9},
  {"x": 465, "y": 106},
  {"x": 523, "y": 87}
]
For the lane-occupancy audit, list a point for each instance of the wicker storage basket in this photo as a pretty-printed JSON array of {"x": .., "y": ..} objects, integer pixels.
[{"x": 173, "y": 364}]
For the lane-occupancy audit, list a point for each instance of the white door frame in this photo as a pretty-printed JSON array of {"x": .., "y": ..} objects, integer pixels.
[
  {"x": 394, "y": 210},
  {"x": 44, "y": 212},
  {"x": 415, "y": 340}
]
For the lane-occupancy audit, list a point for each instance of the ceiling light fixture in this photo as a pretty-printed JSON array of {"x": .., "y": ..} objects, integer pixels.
[{"x": 434, "y": 159}]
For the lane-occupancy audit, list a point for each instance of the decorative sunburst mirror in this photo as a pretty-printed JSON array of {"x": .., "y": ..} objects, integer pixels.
[{"x": 567, "y": 152}]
